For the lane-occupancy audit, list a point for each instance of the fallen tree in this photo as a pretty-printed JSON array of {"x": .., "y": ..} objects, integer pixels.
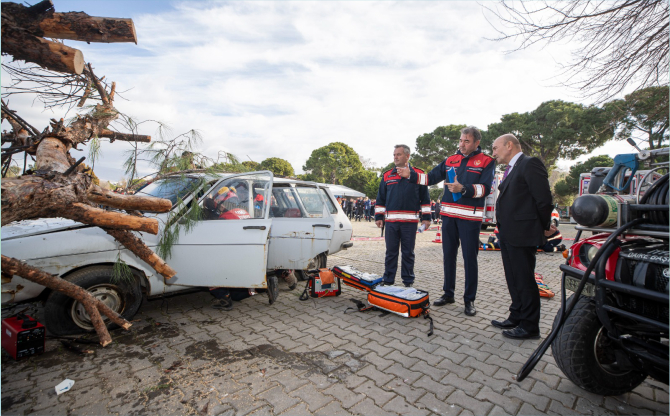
[{"x": 58, "y": 185}]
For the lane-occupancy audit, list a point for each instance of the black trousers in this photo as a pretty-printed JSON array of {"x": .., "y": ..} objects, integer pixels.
[
  {"x": 519, "y": 264},
  {"x": 464, "y": 233},
  {"x": 399, "y": 235}
]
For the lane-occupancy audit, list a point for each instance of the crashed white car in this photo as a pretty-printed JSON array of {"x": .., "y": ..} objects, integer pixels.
[{"x": 253, "y": 226}]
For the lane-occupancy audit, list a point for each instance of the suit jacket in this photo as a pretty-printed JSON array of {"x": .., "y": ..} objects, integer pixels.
[{"x": 524, "y": 204}]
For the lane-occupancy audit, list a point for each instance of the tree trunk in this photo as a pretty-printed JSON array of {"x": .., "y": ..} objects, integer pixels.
[
  {"x": 12, "y": 266},
  {"x": 108, "y": 219},
  {"x": 52, "y": 155},
  {"x": 50, "y": 55},
  {"x": 128, "y": 202},
  {"x": 80, "y": 26},
  {"x": 137, "y": 247}
]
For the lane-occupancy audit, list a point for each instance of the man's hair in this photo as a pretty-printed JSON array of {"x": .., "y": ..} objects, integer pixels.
[
  {"x": 472, "y": 131},
  {"x": 506, "y": 138},
  {"x": 405, "y": 148}
]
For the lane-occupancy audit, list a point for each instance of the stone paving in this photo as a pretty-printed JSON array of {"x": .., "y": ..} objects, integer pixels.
[{"x": 294, "y": 358}]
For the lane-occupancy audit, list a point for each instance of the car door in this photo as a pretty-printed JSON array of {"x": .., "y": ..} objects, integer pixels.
[
  {"x": 228, "y": 247},
  {"x": 301, "y": 226}
]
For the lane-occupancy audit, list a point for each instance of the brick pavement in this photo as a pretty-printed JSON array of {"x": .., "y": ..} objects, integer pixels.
[{"x": 293, "y": 358}]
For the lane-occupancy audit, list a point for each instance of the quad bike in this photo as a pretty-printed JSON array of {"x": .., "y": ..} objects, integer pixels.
[{"x": 612, "y": 333}]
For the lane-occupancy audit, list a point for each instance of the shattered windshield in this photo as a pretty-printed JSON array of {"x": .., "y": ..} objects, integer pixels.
[{"x": 170, "y": 188}]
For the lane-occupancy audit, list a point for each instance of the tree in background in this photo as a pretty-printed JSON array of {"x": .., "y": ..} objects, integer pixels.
[
  {"x": 278, "y": 166},
  {"x": 436, "y": 193},
  {"x": 620, "y": 43},
  {"x": 567, "y": 188},
  {"x": 250, "y": 165},
  {"x": 333, "y": 163},
  {"x": 643, "y": 114},
  {"x": 557, "y": 129},
  {"x": 432, "y": 148},
  {"x": 372, "y": 187}
]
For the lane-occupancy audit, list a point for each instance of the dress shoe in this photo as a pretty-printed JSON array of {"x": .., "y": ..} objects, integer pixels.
[
  {"x": 520, "y": 333},
  {"x": 506, "y": 324},
  {"x": 408, "y": 284},
  {"x": 383, "y": 283},
  {"x": 443, "y": 300},
  {"x": 470, "y": 309}
]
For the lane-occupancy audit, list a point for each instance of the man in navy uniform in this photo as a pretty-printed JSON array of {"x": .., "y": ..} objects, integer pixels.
[
  {"x": 401, "y": 204},
  {"x": 462, "y": 211}
]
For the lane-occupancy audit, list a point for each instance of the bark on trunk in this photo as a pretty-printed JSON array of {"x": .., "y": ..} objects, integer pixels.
[
  {"x": 109, "y": 219},
  {"x": 128, "y": 202},
  {"x": 125, "y": 137},
  {"x": 81, "y": 26},
  {"x": 94, "y": 307},
  {"x": 52, "y": 155},
  {"x": 137, "y": 247},
  {"x": 50, "y": 55}
]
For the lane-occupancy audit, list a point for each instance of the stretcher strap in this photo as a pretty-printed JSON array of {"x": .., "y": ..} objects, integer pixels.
[
  {"x": 426, "y": 315},
  {"x": 305, "y": 294}
]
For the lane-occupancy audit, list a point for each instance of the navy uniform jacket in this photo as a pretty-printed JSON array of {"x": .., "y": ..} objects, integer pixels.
[
  {"x": 474, "y": 171},
  {"x": 400, "y": 200}
]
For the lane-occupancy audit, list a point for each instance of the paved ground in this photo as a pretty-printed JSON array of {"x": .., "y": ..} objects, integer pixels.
[{"x": 294, "y": 358}]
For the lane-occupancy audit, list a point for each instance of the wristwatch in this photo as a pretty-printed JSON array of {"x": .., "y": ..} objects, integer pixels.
[{"x": 463, "y": 191}]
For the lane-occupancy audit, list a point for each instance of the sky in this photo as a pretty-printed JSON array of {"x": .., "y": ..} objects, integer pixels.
[{"x": 265, "y": 79}]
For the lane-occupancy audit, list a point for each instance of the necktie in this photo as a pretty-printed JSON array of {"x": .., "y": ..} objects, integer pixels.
[{"x": 506, "y": 172}]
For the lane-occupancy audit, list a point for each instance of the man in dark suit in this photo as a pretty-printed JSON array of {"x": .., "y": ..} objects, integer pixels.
[{"x": 523, "y": 212}]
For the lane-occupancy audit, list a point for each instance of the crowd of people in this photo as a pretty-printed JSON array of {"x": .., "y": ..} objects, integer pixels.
[{"x": 357, "y": 209}]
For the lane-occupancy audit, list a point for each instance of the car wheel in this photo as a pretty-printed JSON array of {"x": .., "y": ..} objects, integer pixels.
[
  {"x": 587, "y": 356},
  {"x": 301, "y": 275},
  {"x": 323, "y": 260},
  {"x": 66, "y": 316}
]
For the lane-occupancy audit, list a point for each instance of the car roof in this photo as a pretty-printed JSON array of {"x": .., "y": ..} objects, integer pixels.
[{"x": 223, "y": 175}]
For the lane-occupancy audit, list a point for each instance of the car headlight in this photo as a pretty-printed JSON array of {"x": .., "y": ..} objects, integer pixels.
[{"x": 586, "y": 254}]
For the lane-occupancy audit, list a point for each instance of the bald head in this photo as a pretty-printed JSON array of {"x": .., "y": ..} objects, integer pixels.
[{"x": 505, "y": 148}]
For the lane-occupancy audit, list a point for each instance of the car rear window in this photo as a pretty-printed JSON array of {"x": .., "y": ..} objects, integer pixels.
[
  {"x": 311, "y": 201},
  {"x": 329, "y": 202}
]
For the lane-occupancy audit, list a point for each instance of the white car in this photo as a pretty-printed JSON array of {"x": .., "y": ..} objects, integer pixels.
[{"x": 241, "y": 243}]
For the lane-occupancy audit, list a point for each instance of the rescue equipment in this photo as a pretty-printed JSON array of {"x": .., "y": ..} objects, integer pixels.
[
  {"x": 404, "y": 301},
  {"x": 357, "y": 279},
  {"x": 321, "y": 283},
  {"x": 545, "y": 292},
  {"x": 22, "y": 336}
]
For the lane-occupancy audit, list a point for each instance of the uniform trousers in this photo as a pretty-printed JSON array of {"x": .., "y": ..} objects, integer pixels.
[
  {"x": 399, "y": 235},
  {"x": 455, "y": 232}
]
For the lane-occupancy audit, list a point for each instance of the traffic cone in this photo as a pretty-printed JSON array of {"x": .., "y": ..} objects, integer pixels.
[{"x": 438, "y": 237}]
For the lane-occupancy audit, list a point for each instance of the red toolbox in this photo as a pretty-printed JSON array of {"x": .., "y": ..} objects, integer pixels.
[{"x": 23, "y": 336}]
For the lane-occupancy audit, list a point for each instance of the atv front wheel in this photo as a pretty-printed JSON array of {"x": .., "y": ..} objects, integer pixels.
[{"x": 587, "y": 356}]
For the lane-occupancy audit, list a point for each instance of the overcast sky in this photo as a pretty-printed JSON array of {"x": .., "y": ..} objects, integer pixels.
[{"x": 266, "y": 79}]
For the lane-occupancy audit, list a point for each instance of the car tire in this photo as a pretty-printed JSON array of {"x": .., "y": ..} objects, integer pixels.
[
  {"x": 66, "y": 316},
  {"x": 273, "y": 288},
  {"x": 586, "y": 356}
]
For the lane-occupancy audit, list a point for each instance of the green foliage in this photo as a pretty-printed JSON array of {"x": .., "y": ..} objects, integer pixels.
[
  {"x": 436, "y": 193},
  {"x": 643, "y": 113},
  {"x": 360, "y": 179},
  {"x": 121, "y": 272},
  {"x": 557, "y": 129},
  {"x": 278, "y": 166},
  {"x": 372, "y": 187},
  {"x": 250, "y": 165},
  {"x": 433, "y": 148},
  {"x": 569, "y": 186},
  {"x": 333, "y": 164},
  {"x": 93, "y": 150}
]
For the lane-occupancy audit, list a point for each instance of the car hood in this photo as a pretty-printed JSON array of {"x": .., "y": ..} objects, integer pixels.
[{"x": 35, "y": 227}]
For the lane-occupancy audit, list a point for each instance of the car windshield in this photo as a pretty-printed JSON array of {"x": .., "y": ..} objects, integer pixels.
[{"x": 170, "y": 188}]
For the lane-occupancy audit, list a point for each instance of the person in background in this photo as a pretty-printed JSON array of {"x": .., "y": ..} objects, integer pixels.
[{"x": 366, "y": 207}]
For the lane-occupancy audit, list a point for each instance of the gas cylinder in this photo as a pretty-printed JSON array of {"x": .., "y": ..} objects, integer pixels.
[{"x": 598, "y": 210}]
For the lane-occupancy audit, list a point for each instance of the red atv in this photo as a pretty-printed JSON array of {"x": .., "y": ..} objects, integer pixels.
[{"x": 614, "y": 332}]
